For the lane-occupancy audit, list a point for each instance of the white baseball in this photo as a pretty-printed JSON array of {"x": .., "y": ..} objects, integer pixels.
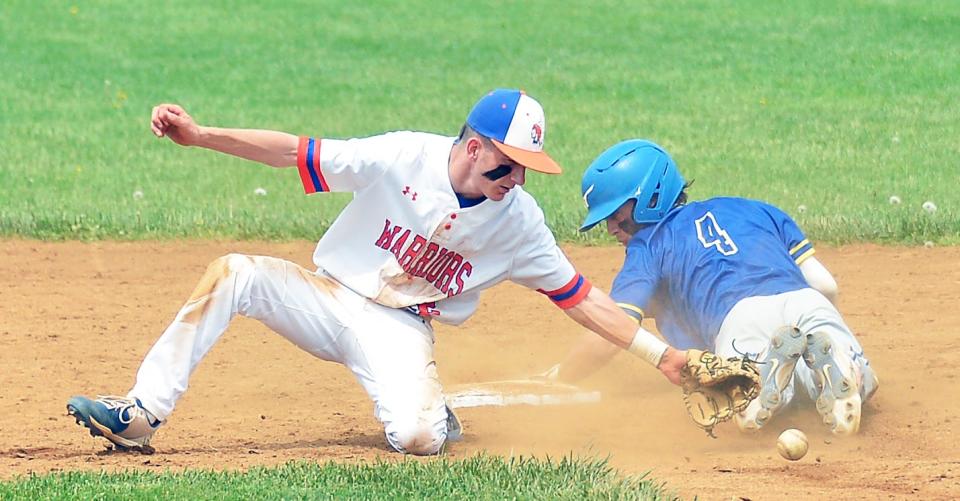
[
  {"x": 929, "y": 207},
  {"x": 792, "y": 444},
  {"x": 260, "y": 192},
  {"x": 928, "y": 244},
  {"x": 137, "y": 195},
  {"x": 894, "y": 200},
  {"x": 801, "y": 209}
]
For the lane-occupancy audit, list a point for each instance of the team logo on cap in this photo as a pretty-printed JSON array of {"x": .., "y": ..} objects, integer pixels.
[{"x": 536, "y": 134}]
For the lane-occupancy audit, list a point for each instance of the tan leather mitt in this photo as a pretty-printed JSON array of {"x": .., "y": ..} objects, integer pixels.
[{"x": 714, "y": 389}]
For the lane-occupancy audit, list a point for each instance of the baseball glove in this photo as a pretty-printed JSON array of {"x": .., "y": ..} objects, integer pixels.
[{"x": 715, "y": 389}]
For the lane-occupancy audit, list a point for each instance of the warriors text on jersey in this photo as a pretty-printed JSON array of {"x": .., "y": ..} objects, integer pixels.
[
  {"x": 691, "y": 268},
  {"x": 405, "y": 241}
]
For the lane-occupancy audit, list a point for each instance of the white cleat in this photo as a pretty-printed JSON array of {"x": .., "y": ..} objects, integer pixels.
[
  {"x": 776, "y": 372},
  {"x": 839, "y": 401}
]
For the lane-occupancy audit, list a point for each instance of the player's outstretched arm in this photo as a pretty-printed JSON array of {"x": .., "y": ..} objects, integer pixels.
[
  {"x": 277, "y": 149},
  {"x": 588, "y": 355},
  {"x": 601, "y": 315}
]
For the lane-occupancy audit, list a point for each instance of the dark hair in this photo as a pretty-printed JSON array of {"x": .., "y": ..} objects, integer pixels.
[
  {"x": 682, "y": 197},
  {"x": 466, "y": 132}
]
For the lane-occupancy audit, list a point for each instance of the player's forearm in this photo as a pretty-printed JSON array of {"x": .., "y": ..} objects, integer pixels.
[
  {"x": 601, "y": 315},
  {"x": 586, "y": 357},
  {"x": 276, "y": 149}
]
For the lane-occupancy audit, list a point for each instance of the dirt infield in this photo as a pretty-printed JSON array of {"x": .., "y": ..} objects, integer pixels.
[{"x": 77, "y": 318}]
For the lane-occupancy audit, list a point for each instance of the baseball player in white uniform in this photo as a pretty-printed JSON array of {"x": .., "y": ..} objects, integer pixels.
[{"x": 434, "y": 221}]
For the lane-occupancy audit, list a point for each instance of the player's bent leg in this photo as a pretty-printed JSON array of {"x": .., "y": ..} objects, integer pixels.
[
  {"x": 415, "y": 417},
  {"x": 756, "y": 327},
  {"x": 391, "y": 354},
  {"x": 302, "y": 306},
  {"x": 164, "y": 373},
  {"x": 839, "y": 399},
  {"x": 837, "y": 375},
  {"x": 776, "y": 378}
]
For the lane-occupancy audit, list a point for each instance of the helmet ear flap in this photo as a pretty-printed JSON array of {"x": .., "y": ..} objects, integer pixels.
[
  {"x": 641, "y": 209},
  {"x": 660, "y": 188}
]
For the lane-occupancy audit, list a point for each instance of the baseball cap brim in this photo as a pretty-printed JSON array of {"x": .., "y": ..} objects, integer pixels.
[{"x": 534, "y": 160}]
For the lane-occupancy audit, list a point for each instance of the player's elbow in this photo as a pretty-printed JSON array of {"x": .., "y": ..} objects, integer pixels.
[
  {"x": 819, "y": 278},
  {"x": 828, "y": 287}
]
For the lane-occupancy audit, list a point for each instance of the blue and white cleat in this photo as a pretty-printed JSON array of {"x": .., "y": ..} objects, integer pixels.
[
  {"x": 840, "y": 400},
  {"x": 776, "y": 371},
  {"x": 120, "y": 420}
]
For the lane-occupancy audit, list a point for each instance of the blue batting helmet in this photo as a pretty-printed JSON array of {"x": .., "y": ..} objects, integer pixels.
[{"x": 634, "y": 169}]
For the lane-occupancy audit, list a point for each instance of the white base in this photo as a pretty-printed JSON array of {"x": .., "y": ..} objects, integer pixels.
[{"x": 518, "y": 392}]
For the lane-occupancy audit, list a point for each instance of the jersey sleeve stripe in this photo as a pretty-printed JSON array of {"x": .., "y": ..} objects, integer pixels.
[
  {"x": 631, "y": 310},
  {"x": 308, "y": 164},
  {"x": 571, "y": 294},
  {"x": 803, "y": 257},
  {"x": 571, "y": 285},
  {"x": 799, "y": 246},
  {"x": 801, "y": 251}
]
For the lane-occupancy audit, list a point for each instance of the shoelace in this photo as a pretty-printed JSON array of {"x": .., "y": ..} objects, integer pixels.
[
  {"x": 746, "y": 355},
  {"x": 124, "y": 406}
]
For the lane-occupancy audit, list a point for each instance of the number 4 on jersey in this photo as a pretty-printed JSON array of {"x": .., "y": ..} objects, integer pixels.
[{"x": 712, "y": 235}]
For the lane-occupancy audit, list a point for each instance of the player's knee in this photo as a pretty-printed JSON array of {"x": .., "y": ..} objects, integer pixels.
[
  {"x": 415, "y": 436},
  {"x": 227, "y": 270},
  {"x": 228, "y": 264}
]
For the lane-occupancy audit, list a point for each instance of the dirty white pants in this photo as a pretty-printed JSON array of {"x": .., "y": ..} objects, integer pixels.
[{"x": 390, "y": 351}]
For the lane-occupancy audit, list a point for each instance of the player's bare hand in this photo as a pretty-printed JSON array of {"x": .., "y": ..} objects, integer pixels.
[
  {"x": 170, "y": 120},
  {"x": 672, "y": 362}
]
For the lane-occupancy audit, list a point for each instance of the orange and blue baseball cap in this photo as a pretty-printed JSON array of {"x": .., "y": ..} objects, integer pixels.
[{"x": 514, "y": 122}]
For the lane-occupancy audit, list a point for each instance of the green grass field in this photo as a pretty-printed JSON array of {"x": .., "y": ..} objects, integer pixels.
[
  {"x": 480, "y": 477},
  {"x": 833, "y": 106}
]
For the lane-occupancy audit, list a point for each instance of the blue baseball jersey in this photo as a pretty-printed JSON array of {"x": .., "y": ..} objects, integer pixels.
[{"x": 691, "y": 268}]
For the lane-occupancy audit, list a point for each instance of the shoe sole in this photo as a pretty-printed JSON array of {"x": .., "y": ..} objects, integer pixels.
[
  {"x": 833, "y": 386},
  {"x": 786, "y": 348},
  {"x": 98, "y": 430}
]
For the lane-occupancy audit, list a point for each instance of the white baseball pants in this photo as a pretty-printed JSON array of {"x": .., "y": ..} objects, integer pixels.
[{"x": 389, "y": 351}]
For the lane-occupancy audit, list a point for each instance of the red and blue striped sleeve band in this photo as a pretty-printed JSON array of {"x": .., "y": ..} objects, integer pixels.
[
  {"x": 571, "y": 294},
  {"x": 308, "y": 163},
  {"x": 802, "y": 251}
]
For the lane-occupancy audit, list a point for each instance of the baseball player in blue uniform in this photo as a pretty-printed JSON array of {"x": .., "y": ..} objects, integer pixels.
[{"x": 729, "y": 275}]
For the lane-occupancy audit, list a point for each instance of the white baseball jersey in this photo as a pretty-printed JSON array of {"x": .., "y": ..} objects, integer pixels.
[{"x": 405, "y": 242}]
